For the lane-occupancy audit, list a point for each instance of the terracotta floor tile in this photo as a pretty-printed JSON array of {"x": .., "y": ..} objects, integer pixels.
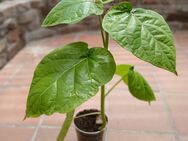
[
  {"x": 12, "y": 107},
  {"x": 185, "y": 138},
  {"x": 53, "y": 42},
  {"x": 8, "y": 72},
  {"x": 124, "y": 136},
  {"x": 181, "y": 38},
  {"x": 126, "y": 112},
  {"x": 54, "y": 120},
  {"x": 171, "y": 83},
  {"x": 21, "y": 81},
  {"x": 51, "y": 135},
  {"x": 21, "y": 58},
  {"x": 178, "y": 107},
  {"x": 16, "y": 134},
  {"x": 92, "y": 38}
]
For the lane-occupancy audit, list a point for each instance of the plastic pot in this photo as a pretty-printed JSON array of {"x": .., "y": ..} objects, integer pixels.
[
  {"x": 88, "y": 135},
  {"x": 91, "y": 136}
]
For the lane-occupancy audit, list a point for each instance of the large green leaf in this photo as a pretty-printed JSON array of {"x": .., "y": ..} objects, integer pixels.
[
  {"x": 67, "y": 77},
  {"x": 139, "y": 87},
  {"x": 72, "y": 11},
  {"x": 143, "y": 32}
]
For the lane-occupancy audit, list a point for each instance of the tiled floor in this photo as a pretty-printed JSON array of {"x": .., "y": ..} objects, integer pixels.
[{"x": 129, "y": 119}]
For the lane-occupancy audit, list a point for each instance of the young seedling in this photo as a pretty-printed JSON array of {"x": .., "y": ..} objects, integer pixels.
[{"x": 70, "y": 75}]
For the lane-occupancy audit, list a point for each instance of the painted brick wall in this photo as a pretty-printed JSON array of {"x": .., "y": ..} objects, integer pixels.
[{"x": 175, "y": 11}]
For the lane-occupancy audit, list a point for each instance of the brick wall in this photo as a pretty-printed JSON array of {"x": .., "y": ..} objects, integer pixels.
[{"x": 175, "y": 11}]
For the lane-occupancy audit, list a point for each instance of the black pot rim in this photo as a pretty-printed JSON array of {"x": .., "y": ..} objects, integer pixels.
[{"x": 90, "y": 133}]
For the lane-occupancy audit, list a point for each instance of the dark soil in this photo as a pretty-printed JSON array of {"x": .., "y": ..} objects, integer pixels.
[{"x": 88, "y": 123}]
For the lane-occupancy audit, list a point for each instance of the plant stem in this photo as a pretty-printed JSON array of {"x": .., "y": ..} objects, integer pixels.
[
  {"x": 66, "y": 126},
  {"x": 105, "y": 38},
  {"x": 103, "y": 115},
  {"x": 102, "y": 32},
  {"x": 113, "y": 87}
]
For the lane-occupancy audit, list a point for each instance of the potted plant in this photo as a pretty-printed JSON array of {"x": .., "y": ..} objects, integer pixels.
[{"x": 68, "y": 76}]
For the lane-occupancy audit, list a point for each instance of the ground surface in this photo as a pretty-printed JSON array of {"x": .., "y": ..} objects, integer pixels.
[{"x": 129, "y": 119}]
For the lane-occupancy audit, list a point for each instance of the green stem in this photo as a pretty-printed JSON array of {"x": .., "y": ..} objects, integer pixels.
[
  {"x": 66, "y": 126},
  {"x": 102, "y": 32},
  {"x": 105, "y": 39},
  {"x": 103, "y": 115},
  {"x": 113, "y": 86}
]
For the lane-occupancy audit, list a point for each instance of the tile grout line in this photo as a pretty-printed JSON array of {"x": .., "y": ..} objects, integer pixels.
[
  {"x": 37, "y": 129},
  {"x": 140, "y": 132},
  {"x": 11, "y": 76},
  {"x": 16, "y": 126},
  {"x": 167, "y": 110},
  {"x": 171, "y": 118},
  {"x": 109, "y": 129},
  {"x": 156, "y": 80}
]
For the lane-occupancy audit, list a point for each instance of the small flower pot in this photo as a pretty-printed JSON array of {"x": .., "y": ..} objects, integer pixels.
[{"x": 87, "y": 127}]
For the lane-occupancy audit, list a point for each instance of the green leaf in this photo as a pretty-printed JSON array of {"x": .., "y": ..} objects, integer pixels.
[
  {"x": 72, "y": 11},
  {"x": 139, "y": 87},
  {"x": 67, "y": 77},
  {"x": 122, "y": 70},
  {"x": 122, "y": 7},
  {"x": 66, "y": 126},
  {"x": 143, "y": 32}
]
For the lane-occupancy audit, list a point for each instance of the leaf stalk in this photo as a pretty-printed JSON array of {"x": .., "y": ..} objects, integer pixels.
[{"x": 107, "y": 93}]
